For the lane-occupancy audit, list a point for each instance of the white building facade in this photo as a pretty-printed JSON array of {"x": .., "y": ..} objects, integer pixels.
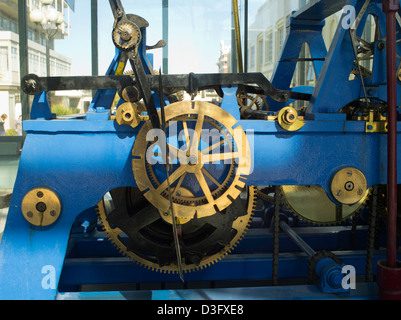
[{"x": 9, "y": 53}]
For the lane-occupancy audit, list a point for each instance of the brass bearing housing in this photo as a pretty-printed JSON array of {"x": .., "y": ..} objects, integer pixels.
[
  {"x": 41, "y": 207},
  {"x": 348, "y": 186}
]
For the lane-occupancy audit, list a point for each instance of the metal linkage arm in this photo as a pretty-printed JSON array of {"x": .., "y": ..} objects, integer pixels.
[
  {"x": 191, "y": 83},
  {"x": 117, "y": 8}
]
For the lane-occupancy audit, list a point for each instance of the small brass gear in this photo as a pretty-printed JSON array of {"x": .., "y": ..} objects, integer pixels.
[
  {"x": 126, "y": 36},
  {"x": 213, "y": 172},
  {"x": 147, "y": 240},
  {"x": 249, "y": 102}
]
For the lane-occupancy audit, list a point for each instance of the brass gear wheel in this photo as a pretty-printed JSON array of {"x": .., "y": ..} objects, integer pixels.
[
  {"x": 212, "y": 174},
  {"x": 312, "y": 204},
  {"x": 147, "y": 239},
  {"x": 249, "y": 102},
  {"x": 126, "y": 36}
]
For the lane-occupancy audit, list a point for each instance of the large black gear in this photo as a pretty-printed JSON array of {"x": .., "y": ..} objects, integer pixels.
[{"x": 143, "y": 235}]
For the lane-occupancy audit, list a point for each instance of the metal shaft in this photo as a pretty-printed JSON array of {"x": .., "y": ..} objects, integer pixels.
[
  {"x": 238, "y": 36},
  {"x": 390, "y": 7},
  {"x": 297, "y": 239}
]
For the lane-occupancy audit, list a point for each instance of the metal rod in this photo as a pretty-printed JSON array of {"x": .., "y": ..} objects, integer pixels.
[
  {"x": 390, "y": 7},
  {"x": 297, "y": 239},
  {"x": 94, "y": 40},
  {"x": 165, "y": 35},
  {"x": 238, "y": 36},
  {"x": 167, "y": 166},
  {"x": 23, "y": 54},
  {"x": 246, "y": 29}
]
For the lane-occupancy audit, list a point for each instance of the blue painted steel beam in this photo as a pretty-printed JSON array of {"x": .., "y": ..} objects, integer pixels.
[
  {"x": 255, "y": 241},
  {"x": 364, "y": 291},
  {"x": 90, "y": 271},
  {"x": 319, "y": 9}
]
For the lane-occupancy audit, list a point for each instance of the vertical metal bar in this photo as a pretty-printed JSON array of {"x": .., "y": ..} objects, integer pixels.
[
  {"x": 94, "y": 40},
  {"x": 238, "y": 36},
  {"x": 23, "y": 53},
  {"x": 246, "y": 27},
  {"x": 276, "y": 235},
  {"x": 48, "y": 55},
  {"x": 165, "y": 19},
  {"x": 390, "y": 7},
  {"x": 234, "y": 65}
]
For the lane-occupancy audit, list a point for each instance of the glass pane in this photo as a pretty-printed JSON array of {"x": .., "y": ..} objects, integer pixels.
[
  {"x": 196, "y": 32},
  {"x": 267, "y": 34}
]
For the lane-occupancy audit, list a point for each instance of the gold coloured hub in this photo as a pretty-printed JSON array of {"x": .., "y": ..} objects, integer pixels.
[
  {"x": 289, "y": 120},
  {"x": 348, "y": 186},
  {"x": 41, "y": 207}
]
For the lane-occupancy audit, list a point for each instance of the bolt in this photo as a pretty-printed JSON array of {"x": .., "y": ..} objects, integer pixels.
[
  {"x": 349, "y": 173},
  {"x": 41, "y": 206},
  {"x": 381, "y": 45},
  {"x": 360, "y": 192},
  {"x": 31, "y": 84},
  {"x": 192, "y": 160},
  {"x": 52, "y": 213},
  {"x": 290, "y": 116},
  {"x": 29, "y": 214},
  {"x": 125, "y": 36},
  {"x": 339, "y": 193},
  {"x": 178, "y": 193},
  {"x": 40, "y": 194},
  {"x": 349, "y": 186}
]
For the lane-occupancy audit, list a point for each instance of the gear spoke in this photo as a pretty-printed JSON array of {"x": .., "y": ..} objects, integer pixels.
[
  {"x": 205, "y": 172},
  {"x": 205, "y": 188},
  {"x": 179, "y": 183},
  {"x": 212, "y": 147},
  {"x": 197, "y": 134},
  {"x": 186, "y": 133},
  {"x": 213, "y": 157},
  {"x": 173, "y": 177}
]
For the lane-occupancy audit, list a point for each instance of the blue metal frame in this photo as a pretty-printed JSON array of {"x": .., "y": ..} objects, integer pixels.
[{"x": 82, "y": 159}]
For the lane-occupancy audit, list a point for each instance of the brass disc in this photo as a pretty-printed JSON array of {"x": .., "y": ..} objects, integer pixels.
[
  {"x": 312, "y": 204},
  {"x": 348, "y": 186},
  {"x": 289, "y": 120},
  {"x": 41, "y": 207}
]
